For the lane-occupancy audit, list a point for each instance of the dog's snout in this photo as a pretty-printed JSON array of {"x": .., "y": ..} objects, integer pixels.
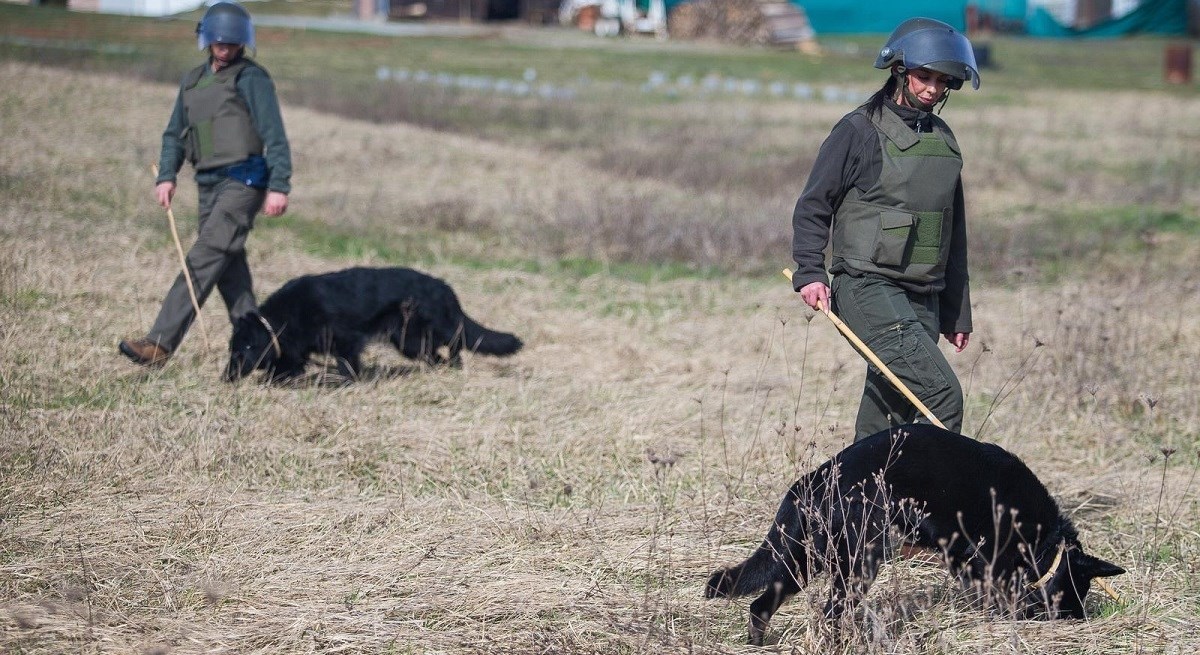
[{"x": 235, "y": 370}]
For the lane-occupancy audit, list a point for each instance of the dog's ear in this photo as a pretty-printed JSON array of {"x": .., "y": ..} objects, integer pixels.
[
  {"x": 246, "y": 319},
  {"x": 1094, "y": 567},
  {"x": 249, "y": 323}
]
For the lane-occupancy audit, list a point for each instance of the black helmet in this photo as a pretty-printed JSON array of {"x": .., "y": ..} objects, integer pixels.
[
  {"x": 225, "y": 22},
  {"x": 932, "y": 44}
]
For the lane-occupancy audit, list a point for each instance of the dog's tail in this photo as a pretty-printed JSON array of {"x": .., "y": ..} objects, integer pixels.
[
  {"x": 782, "y": 555},
  {"x": 754, "y": 574},
  {"x": 480, "y": 339}
]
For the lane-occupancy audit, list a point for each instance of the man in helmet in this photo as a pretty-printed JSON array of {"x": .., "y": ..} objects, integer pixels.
[
  {"x": 227, "y": 124},
  {"x": 886, "y": 190}
]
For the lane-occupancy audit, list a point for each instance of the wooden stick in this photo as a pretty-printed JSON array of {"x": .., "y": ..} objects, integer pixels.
[
  {"x": 187, "y": 275},
  {"x": 874, "y": 359},
  {"x": 1107, "y": 589}
]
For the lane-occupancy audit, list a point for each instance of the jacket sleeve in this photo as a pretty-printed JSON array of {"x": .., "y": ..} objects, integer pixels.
[
  {"x": 834, "y": 172},
  {"x": 955, "y": 299},
  {"x": 170, "y": 160},
  {"x": 258, "y": 90}
]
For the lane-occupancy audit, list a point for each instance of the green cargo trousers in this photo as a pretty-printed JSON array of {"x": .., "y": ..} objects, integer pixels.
[
  {"x": 901, "y": 327},
  {"x": 217, "y": 259}
]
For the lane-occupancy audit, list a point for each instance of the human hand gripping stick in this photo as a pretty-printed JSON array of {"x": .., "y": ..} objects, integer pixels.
[{"x": 873, "y": 358}]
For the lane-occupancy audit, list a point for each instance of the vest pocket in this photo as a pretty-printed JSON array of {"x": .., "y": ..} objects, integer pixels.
[
  {"x": 895, "y": 227},
  {"x": 931, "y": 247}
]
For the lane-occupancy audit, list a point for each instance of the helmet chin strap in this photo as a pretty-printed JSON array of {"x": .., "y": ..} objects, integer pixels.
[{"x": 945, "y": 97}]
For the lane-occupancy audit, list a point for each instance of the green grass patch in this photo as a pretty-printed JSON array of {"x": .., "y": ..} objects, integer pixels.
[
  {"x": 25, "y": 299},
  {"x": 1109, "y": 609},
  {"x": 1065, "y": 242},
  {"x": 578, "y": 267},
  {"x": 1084, "y": 234},
  {"x": 323, "y": 240},
  {"x": 429, "y": 247}
]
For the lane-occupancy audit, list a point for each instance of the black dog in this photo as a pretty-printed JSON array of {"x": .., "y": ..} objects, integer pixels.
[
  {"x": 977, "y": 504},
  {"x": 340, "y": 313}
]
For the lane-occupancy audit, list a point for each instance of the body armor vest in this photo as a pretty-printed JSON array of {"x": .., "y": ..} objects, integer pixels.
[
  {"x": 220, "y": 131},
  {"x": 900, "y": 227}
]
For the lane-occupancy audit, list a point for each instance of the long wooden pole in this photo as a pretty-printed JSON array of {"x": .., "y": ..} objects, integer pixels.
[
  {"x": 187, "y": 275},
  {"x": 874, "y": 359}
]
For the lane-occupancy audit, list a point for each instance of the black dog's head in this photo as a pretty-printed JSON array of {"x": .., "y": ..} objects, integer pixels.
[
  {"x": 1061, "y": 595},
  {"x": 252, "y": 346}
]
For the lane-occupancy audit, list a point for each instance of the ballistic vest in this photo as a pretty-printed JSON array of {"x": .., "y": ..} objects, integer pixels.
[
  {"x": 220, "y": 131},
  {"x": 900, "y": 227}
]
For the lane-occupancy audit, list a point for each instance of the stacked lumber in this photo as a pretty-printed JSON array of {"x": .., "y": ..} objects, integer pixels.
[
  {"x": 745, "y": 22},
  {"x": 787, "y": 24}
]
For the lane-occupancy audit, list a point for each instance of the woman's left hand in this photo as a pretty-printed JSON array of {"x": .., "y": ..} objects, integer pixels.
[
  {"x": 276, "y": 205},
  {"x": 958, "y": 339}
]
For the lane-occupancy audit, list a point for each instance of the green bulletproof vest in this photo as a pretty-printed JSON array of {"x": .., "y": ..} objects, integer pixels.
[
  {"x": 900, "y": 227},
  {"x": 220, "y": 131}
]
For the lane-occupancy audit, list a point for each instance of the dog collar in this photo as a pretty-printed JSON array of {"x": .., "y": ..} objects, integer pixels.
[
  {"x": 1041, "y": 582},
  {"x": 274, "y": 339}
]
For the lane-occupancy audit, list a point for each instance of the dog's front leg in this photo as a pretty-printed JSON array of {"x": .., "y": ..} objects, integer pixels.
[{"x": 765, "y": 606}]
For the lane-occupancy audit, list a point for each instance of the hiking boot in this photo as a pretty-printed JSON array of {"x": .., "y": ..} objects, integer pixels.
[{"x": 144, "y": 352}]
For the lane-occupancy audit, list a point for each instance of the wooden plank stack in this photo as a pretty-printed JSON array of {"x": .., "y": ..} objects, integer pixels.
[{"x": 745, "y": 22}]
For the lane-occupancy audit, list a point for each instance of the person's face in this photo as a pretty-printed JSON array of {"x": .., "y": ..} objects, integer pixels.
[
  {"x": 927, "y": 86},
  {"x": 223, "y": 54}
]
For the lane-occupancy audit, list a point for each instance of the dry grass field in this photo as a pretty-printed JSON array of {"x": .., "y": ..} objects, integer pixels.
[{"x": 573, "y": 498}]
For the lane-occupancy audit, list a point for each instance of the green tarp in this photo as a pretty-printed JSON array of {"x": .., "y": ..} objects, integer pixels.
[
  {"x": 874, "y": 16},
  {"x": 1151, "y": 17},
  {"x": 881, "y": 17}
]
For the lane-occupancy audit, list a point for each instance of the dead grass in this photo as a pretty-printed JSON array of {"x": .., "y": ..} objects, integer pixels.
[{"x": 572, "y": 499}]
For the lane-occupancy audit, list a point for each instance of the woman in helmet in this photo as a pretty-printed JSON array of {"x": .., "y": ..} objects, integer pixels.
[
  {"x": 886, "y": 190},
  {"x": 227, "y": 124}
]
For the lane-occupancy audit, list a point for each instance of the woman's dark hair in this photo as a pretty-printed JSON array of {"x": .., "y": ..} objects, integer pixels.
[{"x": 874, "y": 105}]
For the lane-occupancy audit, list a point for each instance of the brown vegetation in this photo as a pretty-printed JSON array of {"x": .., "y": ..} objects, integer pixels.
[{"x": 572, "y": 499}]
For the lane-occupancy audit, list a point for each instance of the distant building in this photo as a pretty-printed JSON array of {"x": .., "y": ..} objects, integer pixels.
[{"x": 136, "y": 7}]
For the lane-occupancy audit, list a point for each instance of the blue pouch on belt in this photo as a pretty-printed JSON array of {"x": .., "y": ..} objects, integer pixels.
[{"x": 251, "y": 172}]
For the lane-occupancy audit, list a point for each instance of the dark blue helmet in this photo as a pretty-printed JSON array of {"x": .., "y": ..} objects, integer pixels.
[
  {"x": 932, "y": 44},
  {"x": 225, "y": 22}
]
